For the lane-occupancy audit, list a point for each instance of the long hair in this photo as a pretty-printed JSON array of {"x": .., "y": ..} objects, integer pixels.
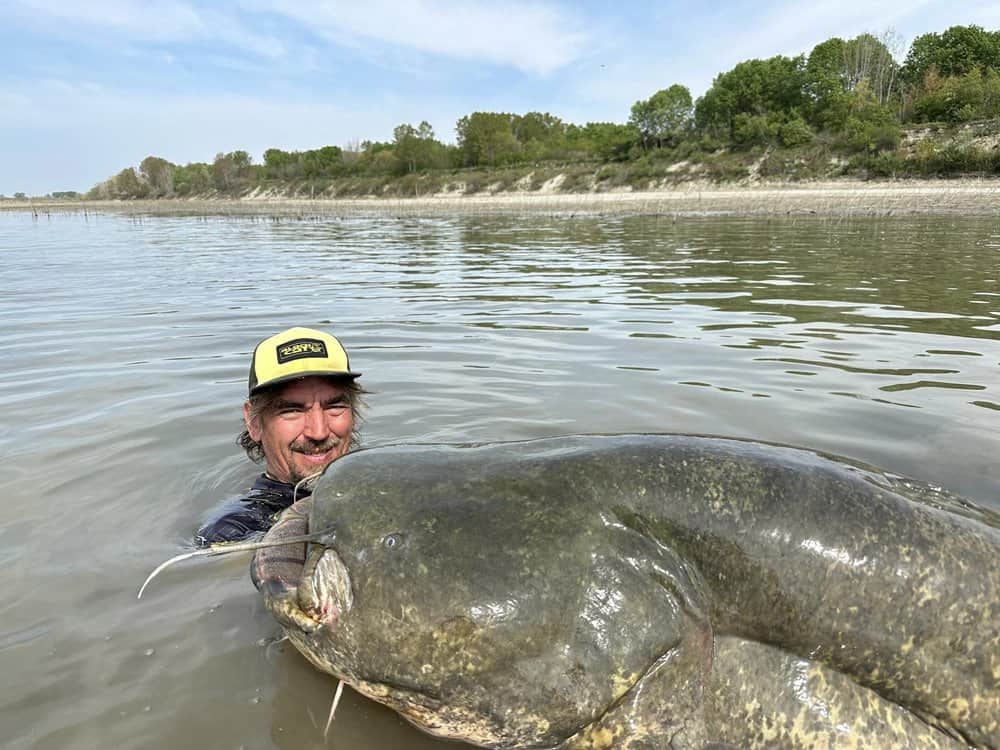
[{"x": 262, "y": 402}]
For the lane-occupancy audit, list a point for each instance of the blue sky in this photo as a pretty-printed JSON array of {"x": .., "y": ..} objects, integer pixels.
[{"x": 87, "y": 88}]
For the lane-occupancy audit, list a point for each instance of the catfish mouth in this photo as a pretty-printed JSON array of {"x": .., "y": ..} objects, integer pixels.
[
  {"x": 324, "y": 591},
  {"x": 315, "y": 594}
]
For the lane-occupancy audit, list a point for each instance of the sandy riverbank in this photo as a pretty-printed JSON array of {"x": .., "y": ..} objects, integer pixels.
[{"x": 835, "y": 198}]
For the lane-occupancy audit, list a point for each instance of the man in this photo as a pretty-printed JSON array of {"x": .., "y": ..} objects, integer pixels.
[{"x": 301, "y": 415}]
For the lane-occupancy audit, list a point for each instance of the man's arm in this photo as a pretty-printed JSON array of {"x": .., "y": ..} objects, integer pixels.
[
  {"x": 277, "y": 570},
  {"x": 237, "y": 524}
]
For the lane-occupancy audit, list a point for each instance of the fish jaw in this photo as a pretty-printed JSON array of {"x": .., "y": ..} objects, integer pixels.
[{"x": 324, "y": 593}]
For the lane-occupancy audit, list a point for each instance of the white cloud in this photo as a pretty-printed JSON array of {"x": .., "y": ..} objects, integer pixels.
[
  {"x": 157, "y": 21},
  {"x": 786, "y": 27},
  {"x": 782, "y": 28},
  {"x": 789, "y": 27},
  {"x": 531, "y": 38}
]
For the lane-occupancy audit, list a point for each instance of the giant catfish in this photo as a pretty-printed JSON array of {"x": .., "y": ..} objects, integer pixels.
[{"x": 646, "y": 591}]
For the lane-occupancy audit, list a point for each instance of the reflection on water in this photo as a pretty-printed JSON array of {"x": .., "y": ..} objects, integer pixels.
[{"x": 126, "y": 344}]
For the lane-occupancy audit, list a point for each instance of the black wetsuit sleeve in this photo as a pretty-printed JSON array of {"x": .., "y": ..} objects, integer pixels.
[
  {"x": 247, "y": 517},
  {"x": 232, "y": 527}
]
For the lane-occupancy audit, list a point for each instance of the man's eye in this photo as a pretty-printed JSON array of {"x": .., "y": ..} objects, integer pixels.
[
  {"x": 336, "y": 408},
  {"x": 289, "y": 412}
]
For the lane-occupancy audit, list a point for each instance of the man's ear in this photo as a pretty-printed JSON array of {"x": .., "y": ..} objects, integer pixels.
[{"x": 252, "y": 422}]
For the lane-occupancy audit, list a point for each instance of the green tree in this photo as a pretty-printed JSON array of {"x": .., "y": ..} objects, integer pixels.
[
  {"x": 664, "y": 118},
  {"x": 752, "y": 130},
  {"x": 972, "y": 96},
  {"x": 126, "y": 184},
  {"x": 416, "y": 148},
  {"x": 537, "y": 126},
  {"x": 754, "y": 88},
  {"x": 607, "y": 141},
  {"x": 231, "y": 170},
  {"x": 795, "y": 132},
  {"x": 826, "y": 84},
  {"x": 282, "y": 165},
  {"x": 541, "y": 135},
  {"x": 954, "y": 52},
  {"x": 192, "y": 179},
  {"x": 487, "y": 138},
  {"x": 871, "y": 127},
  {"x": 327, "y": 161},
  {"x": 375, "y": 157},
  {"x": 158, "y": 174},
  {"x": 869, "y": 60},
  {"x": 835, "y": 69}
]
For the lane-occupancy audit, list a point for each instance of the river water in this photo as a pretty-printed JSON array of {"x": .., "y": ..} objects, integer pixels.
[{"x": 126, "y": 341}]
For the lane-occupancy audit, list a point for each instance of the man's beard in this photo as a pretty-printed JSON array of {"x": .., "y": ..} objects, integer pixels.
[{"x": 311, "y": 447}]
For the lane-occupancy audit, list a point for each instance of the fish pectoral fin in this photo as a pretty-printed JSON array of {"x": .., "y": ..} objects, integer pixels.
[
  {"x": 664, "y": 709},
  {"x": 761, "y": 695}
]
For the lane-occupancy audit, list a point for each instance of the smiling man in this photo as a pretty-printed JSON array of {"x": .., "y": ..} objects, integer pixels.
[{"x": 301, "y": 414}]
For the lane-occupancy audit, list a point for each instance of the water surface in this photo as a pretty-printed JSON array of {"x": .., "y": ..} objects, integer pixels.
[{"x": 126, "y": 342}]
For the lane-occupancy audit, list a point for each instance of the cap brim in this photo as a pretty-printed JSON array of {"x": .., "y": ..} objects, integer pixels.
[{"x": 299, "y": 375}]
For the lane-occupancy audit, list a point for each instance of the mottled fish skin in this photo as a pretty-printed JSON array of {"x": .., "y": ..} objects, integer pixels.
[
  {"x": 804, "y": 704},
  {"x": 650, "y": 591}
]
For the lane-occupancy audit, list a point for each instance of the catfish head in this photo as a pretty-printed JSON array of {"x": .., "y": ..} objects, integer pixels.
[{"x": 482, "y": 596}]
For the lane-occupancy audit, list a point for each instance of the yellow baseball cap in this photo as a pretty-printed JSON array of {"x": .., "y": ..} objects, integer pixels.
[{"x": 298, "y": 353}]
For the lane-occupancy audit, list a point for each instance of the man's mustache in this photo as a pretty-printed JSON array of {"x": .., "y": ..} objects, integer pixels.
[{"x": 314, "y": 446}]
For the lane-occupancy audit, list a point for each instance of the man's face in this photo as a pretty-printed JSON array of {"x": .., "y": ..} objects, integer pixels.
[{"x": 308, "y": 427}]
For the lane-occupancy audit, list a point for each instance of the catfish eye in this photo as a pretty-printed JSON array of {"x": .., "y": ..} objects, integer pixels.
[{"x": 392, "y": 541}]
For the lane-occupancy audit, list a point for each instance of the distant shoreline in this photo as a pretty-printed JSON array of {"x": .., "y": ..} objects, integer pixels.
[{"x": 832, "y": 198}]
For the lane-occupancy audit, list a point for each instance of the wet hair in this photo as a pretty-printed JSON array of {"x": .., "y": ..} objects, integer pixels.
[{"x": 263, "y": 402}]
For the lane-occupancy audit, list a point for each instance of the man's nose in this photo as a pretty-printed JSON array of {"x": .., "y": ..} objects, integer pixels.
[{"x": 315, "y": 427}]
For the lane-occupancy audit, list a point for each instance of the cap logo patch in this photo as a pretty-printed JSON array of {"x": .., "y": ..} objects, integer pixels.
[{"x": 301, "y": 349}]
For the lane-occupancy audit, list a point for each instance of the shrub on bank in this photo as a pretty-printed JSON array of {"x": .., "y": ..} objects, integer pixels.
[
  {"x": 928, "y": 161},
  {"x": 870, "y": 145}
]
